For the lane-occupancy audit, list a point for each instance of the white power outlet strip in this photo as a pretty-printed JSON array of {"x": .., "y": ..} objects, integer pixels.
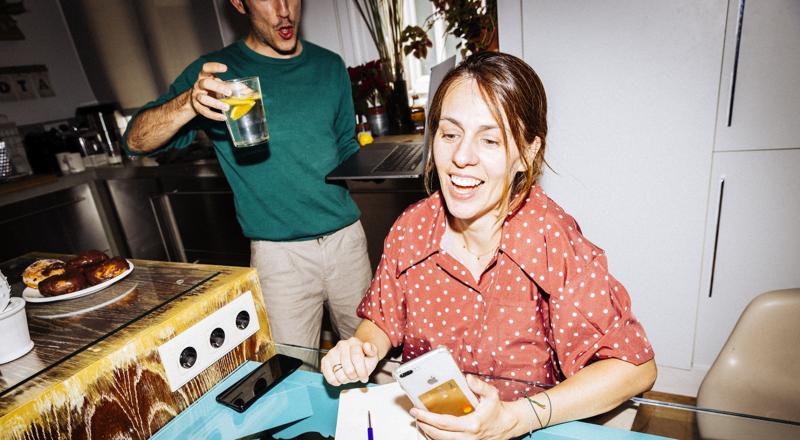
[{"x": 198, "y": 347}]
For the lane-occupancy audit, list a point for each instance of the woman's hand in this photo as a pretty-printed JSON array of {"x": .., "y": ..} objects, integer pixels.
[
  {"x": 349, "y": 361},
  {"x": 492, "y": 419}
]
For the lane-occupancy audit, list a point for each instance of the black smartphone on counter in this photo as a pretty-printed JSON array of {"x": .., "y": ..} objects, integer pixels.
[{"x": 248, "y": 389}]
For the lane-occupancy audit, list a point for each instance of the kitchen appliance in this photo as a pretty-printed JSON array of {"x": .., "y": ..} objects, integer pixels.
[
  {"x": 18, "y": 165},
  {"x": 6, "y": 170},
  {"x": 90, "y": 145},
  {"x": 102, "y": 119},
  {"x": 41, "y": 148}
]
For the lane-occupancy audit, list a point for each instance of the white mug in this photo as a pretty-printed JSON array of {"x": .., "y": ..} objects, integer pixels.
[
  {"x": 14, "y": 328},
  {"x": 70, "y": 163}
]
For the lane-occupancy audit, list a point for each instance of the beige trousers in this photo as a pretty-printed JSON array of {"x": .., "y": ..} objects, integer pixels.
[{"x": 299, "y": 277}]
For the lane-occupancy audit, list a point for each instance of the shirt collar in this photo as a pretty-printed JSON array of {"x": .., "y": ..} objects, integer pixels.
[
  {"x": 524, "y": 232},
  {"x": 522, "y": 240},
  {"x": 422, "y": 233}
]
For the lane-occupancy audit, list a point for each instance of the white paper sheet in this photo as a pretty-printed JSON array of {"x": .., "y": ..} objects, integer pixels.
[{"x": 388, "y": 406}]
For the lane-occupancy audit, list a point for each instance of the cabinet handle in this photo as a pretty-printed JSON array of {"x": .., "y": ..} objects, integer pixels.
[
  {"x": 716, "y": 236},
  {"x": 739, "y": 22}
]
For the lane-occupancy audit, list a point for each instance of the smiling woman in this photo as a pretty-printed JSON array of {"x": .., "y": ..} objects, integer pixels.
[
  {"x": 493, "y": 269},
  {"x": 503, "y": 88},
  {"x": 483, "y": 163}
]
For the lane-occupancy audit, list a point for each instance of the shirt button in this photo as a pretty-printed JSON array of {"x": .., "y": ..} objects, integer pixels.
[{"x": 469, "y": 348}]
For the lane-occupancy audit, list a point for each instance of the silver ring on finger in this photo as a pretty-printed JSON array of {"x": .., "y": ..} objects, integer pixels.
[{"x": 341, "y": 376}]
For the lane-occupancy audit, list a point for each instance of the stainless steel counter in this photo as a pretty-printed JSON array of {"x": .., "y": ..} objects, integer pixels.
[
  {"x": 37, "y": 185},
  {"x": 160, "y": 213}
]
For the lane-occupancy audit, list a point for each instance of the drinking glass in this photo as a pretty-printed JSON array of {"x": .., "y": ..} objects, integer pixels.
[{"x": 246, "y": 119}]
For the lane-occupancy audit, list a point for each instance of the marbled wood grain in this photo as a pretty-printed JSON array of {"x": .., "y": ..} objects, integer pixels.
[
  {"x": 117, "y": 389},
  {"x": 148, "y": 287}
]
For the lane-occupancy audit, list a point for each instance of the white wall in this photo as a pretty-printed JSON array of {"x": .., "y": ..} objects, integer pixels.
[
  {"x": 47, "y": 41},
  {"x": 132, "y": 51},
  {"x": 632, "y": 92},
  {"x": 177, "y": 32},
  {"x": 121, "y": 53}
]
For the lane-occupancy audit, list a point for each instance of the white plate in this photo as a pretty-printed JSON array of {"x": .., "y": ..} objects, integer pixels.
[{"x": 33, "y": 295}]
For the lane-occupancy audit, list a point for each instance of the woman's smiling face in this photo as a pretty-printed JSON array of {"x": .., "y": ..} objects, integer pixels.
[{"x": 475, "y": 169}]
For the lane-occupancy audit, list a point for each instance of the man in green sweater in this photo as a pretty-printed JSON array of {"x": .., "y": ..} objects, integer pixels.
[{"x": 307, "y": 242}]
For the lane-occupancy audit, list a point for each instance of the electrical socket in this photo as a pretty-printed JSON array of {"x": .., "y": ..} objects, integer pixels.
[{"x": 190, "y": 352}]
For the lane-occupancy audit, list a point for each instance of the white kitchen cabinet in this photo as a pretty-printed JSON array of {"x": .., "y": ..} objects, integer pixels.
[
  {"x": 757, "y": 246},
  {"x": 632, "y": 93},
  {"x": 759, "y": 99}
]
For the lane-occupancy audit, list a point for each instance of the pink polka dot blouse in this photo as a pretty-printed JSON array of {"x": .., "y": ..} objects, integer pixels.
[{"x": 545, "y": 306}]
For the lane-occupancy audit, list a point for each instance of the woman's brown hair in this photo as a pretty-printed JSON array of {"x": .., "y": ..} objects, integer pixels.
[{"x": 510, "y": 87}]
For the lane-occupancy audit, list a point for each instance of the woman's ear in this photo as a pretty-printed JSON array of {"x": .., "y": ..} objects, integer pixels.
[{"x": 530, "y": 153}]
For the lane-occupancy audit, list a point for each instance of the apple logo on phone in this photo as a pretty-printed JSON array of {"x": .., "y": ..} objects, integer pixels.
[{"x": 432, "y": 380}]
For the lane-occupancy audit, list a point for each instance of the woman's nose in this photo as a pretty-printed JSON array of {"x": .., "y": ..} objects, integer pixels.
[{"x": 465, "y": 153}]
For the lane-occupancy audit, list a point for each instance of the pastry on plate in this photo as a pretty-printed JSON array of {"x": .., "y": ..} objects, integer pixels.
[
  {"x": 39, "y": 270},
  {"x": 86, "y": 259},
  {"x": 106, "y": 270},
  {"x": 68, "y": 282}
]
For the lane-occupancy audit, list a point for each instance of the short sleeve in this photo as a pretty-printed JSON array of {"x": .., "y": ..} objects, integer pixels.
[
  {"x": 590, "y": 310},
  {"x": 384, "y": 303},
  {"x": 591, "y": 319}
]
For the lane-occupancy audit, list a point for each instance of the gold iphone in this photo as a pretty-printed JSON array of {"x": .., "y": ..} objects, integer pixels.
[{"x": 433, "y": 382}]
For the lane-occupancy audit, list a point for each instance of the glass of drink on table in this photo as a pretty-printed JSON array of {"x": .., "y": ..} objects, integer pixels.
[{"x": 246, "y": 119}]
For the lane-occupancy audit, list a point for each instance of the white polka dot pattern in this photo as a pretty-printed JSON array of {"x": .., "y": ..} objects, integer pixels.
[{"x": 544, "y": 308}]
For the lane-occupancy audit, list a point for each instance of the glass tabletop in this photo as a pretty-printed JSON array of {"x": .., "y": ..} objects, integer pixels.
[
  {"x": 654, "y": 413},
  {"x": 61, "y": 330}
]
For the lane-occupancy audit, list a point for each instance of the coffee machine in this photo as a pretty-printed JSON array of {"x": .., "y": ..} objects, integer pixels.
[{"x": 102, "y": 119}]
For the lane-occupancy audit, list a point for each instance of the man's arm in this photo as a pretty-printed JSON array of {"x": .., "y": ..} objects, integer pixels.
[
  {"x": 154, "y": 127},
  {"x": 345, "y": 122}
]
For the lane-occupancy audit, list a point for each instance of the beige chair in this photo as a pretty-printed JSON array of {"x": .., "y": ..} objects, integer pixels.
[{"x": 757, "y": 372}]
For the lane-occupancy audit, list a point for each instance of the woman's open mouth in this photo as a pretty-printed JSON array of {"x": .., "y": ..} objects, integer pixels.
[{"x": 465, "y": 185}]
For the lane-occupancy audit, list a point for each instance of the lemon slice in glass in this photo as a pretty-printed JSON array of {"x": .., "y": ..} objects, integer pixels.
[
  {"x": 242, "y": 109},
  {"x": 241, "y": 105}
]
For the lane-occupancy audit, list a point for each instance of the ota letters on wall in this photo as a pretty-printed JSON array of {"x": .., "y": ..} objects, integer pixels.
[{"x": 25, "y": 82}]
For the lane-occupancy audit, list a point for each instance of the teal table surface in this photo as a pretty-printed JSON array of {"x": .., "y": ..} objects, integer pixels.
[{"x": 304, "y": 403}]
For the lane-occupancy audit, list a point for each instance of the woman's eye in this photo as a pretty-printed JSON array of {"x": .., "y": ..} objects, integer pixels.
[
  {"x": 449, "y": 136},
  {"x": 491, "y": 141}
]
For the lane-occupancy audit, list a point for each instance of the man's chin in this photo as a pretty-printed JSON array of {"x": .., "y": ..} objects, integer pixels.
[{"x": 286, "y": 47}]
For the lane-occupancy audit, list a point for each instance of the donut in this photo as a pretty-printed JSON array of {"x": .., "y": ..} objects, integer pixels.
[
  {"x": 106, "y": 270},
  {"x": 86, "y": 259},
  {"x": 40, "y": 270},
  {"x": 68, "y": 282}
]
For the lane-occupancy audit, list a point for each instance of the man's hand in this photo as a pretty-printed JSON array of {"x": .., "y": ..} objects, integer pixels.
[
  {"x": 208, "y": 90},
  {"x": 350, "y": 360}
]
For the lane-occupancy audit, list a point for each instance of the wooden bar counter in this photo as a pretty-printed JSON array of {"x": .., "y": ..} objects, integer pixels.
[{"x": 95, "y": 370}]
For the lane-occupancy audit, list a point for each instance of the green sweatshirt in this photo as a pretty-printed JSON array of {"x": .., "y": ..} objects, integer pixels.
[{"x": 281, "y": 194}]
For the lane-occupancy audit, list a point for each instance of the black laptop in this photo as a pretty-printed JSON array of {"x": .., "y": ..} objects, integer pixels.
[{"x": 393, "y": 160}]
